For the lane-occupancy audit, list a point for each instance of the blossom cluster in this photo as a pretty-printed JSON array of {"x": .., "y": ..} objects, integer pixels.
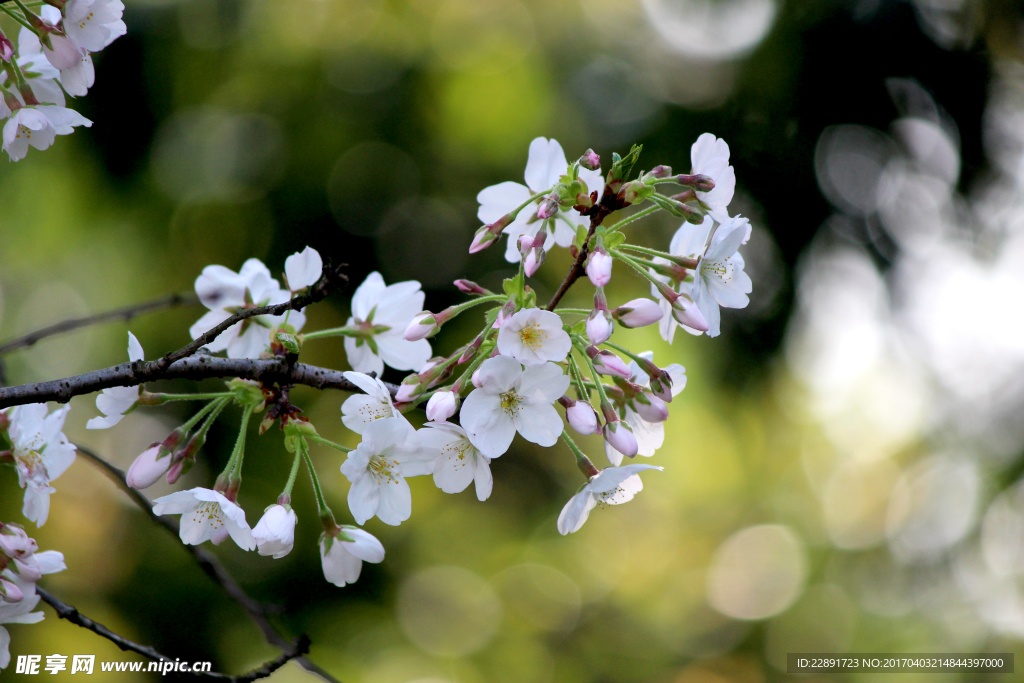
[
  {"x": 52, "y": 58},
  {"x": 21, "y": 566},
  {"x": 508, "y": 380}
]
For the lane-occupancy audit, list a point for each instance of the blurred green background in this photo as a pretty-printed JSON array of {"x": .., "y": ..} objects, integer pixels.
[{"x": 841, "y": 471}]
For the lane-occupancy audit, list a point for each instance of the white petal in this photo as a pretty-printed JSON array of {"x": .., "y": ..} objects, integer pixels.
[
  {"x": 363, "y": 545},
  {"x": 575, "y": 512},
  {"x": 363, "y": 498},
  {"x": 545, "y": 164},
  {"x": 395, "y": 502},
  {"x": 367, "y": 295},
  {"x": 539, "y": 423},
  {"x": 497, "y": 200},
  {"x": 303, "y": 269}
]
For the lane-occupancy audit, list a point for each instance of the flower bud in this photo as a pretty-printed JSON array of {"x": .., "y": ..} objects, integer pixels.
[
  {"x": 582, "y": 418},
  {"x": 599, "y": 268},
  {"x": 470, "y": 287},
  {"x": 548, "y": 207},
  {"x": 607, "y": 363},
  {"x": 701, "y": 183},
  {"x": 275, "y": 532},
  {"x": 483, "y": 239},
  {"x": 409, "y": 390},
  {"x": 534, "y": 260},
  {"x": 685, "y": 311},
  {"x": 441, "y": 406},
  {"x": 599, "y": 327},
  {"x": 9, "y": 591},
  {"x": 6, "y": 48},
  {"x": 590, "y": 160},
  {"x": 621, "y": 438},
  {"x": 422, "y": 326},
  {"x": 15, "y": 543},
  {"x": 148, "y": 468},
  {"x": 638, "y": 313},
  {"x": 654, "y": 410}
]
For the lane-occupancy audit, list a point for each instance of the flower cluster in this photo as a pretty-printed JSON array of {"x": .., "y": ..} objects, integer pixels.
[
  {"x": 53, "y": 57},
  {"x": 509, "y": 379},
  {"x": 21, "y": 566}
]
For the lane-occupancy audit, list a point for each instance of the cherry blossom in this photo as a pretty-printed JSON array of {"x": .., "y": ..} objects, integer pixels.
[
  {"x": 545, "y": 165},
  {"x": 41, "y": 76},
  {"x": 93, "y": 24},
  {"x": 534, "y": 336},
  {"x": 710, "y": 157},
  {"x": 382, "y": 313},
  {"x": 441, "y": 406},
  {"x": 38, "y": 126},
  {"x": 342, "y": 560},
  {"x": 599, "y": 268},
  {"x": 206, "y": 515},
  {"x": 511, "y": 399},
  {"x": 599, "y": 326},
  {"x": 275, "y": 532},
  {"x": 303, "y": 269},
  {"x": 649, "y": 434},
  {"x": 20, "y": 612},
  {"x": 612, "y": 486},
  {"x": 389, "y": 452},
  {"x": 359, "y": 410},
  {"x": 41, "y": 454},
  {"x": 638, "y": 313},
  {"x": 148, "y": 467},
  {"x": 224, "y": 292},
  {"x": 116, "y": 402},
  {"x": 460, "y": 462}
]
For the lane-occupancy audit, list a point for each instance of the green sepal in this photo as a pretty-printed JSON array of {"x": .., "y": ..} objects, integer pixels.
[
  {"x": 288, "y": 341},
  {"x": 613, "y": 239},
  {"x": 579, "y": 328}
]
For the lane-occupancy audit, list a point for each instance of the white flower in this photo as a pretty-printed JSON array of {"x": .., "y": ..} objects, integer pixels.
[
  {"x": 206, "y": 515},
  {"x": 389, "y": 452},
  {"x": 116, "y": 402},
  {"x": 93, "y": 24},
  {"x": 460, "y": 462},
  {"x": 710, "y": 156},
  {"x": 224, "y": 292},
  {"x": 342, "y": 560},
  {"x": 650, "y": 435},
  {"x": 42, "y": 76},
  {"x": 383, "y": 312},
  {"x": 512, "y": 399},
  {"x": 359, "y": 410},
  {"x": 546, "y": 163},
  {"x": 77, "y": 77},
  {"x": 38, "y": 126},
  {"x": 275, "y": 532},
  {"x": 612, "y": 486},
  {"x": 47, "y": 562},
  {"x": 303, "y": 269},
  {"x": 41, "y": 454},
  {"x": 534, "y": 336}
]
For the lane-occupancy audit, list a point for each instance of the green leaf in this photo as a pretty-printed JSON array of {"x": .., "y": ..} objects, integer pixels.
[
  {"x": 580, "y": 327},
  {"x": 613, "y": 239},
  {"x": 288, "y": 341}
]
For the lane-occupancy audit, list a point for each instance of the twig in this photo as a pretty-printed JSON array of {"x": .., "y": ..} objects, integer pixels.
[
  {"x": 279, "y": 370},
  {"x": 608, "y": 204},
  {"x": 126, "y": 313},
  {"x": 65, "y": 611},
  {"x": 209, "y": 563}
]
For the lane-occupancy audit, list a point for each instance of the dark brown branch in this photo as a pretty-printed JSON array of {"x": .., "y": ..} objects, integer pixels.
[
  {"x": 209, "y": 563},
  {"x": 65, "y": 611},
  {"x": 332, "y": 279},
  {"x": 607, "y": 205},
  {"x": 126, "y": 313},
  {"x": 278, "y": 370}
]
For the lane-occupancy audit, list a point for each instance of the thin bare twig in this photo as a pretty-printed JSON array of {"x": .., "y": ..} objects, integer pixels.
[
  {"x": 280, "y": 370},
  {"x": 608, "y": 204},
  {"x": 125, "y": 313},
  {"x": 209, "y": 563},
  {"x": 65, "y": 611}
]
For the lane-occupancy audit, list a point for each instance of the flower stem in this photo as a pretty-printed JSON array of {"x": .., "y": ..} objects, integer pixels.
[
  {"x": 287, "y": 493},
  {"x": 635, "y": 217},
  {"x": 194, "y": 397},
  {"x": 626, "y": 351},
  {"x": 690, "y": 263},
  {"x": 634, "y": 264},
  {"x": 345, "y": 331},
  {"x": 14, "y": 15},
  {"x": 326, "y": 516},
  {"x": 235, "y": 461},
  {"x": 582, "y": 461},
  {"x": 321, "y": 440},
  {"x": 577, "y": 378},
  {"x": 581, "y": 347},
  {"x": 194, "y": 420}
]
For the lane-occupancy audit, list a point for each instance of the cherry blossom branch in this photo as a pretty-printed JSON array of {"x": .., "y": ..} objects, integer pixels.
[
  {"x": 209, "y": 563},
  {"x": 601, "y": 211},
  {"x": 126, "y": 313},
  {"x": 279, "y": 370},
  {"x": 65, "y": 611}
]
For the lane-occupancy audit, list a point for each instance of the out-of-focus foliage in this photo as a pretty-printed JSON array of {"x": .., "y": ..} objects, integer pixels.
[{"x": 842, "y": 471}]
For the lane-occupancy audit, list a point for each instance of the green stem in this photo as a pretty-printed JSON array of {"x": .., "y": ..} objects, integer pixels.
[
  {"x": 222, "y": 404},
  {"x": 626, "y": 351},
  {"x": 321, "y": 440},
  {"x": 321, "y": 503},
  {"x": 580, "y": 311},
  {"x": 194, "y": 420},
  {"x": 345, "y": 331},
  {"x": 635, "y": 217},
  {"x": 581, "y": 347},
  {"x": 690, "y": 263},
  {"x": 582, "y": 461},
  {"x": 287, "y": 493},
  {"x": 635, "y": 265},
  {"x": 21, "y": 20},
  {"x": 233, "y": 461},
  {"x": 467, "y": 376},
  {"x": 195, "y": 397},
  {"x": 577, "y": 378}
]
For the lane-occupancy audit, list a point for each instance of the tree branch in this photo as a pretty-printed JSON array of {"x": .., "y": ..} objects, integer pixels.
[
  {"x": 209, "y": 563},
  {"x": 126, "y": 313},
  {"x": 65, "y": 611},
  {"x": 197, "y": 367},
  {"x": 607, "y": 205}
]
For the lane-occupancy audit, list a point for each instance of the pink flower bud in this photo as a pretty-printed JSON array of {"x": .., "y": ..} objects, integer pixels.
[
  {"x": 685, "y": 311},
  {"x": 582, "y": 418},
  {"x": 534, "y": 259},
  {"x": 607, "y": 363},
  {"x": 655, "y": 410},
  {"x": 469, "y": 287},
  {"x": 476, "y": 379},
  {"x": 638, "y": 313},
  {"x": 599, "y": 327},
  {"x": 548, "y": 207},
  {"x": 599, "y": 268},
  {"x": 275, "y": 532},
  {"x": 147, "y": 468},
  {"x": 441, "y": 406},
  {"x": 6, "y": 48},
  {"x": 701, "y": 183},
  {"x": 590, "y": 160},
  {"x": 483, "y": 239},
  {"x": 621, "y": 438},
  {"x": 175, "y": 472},
  {"x": 408, "y": 391},
  {"x": 422, "y": 326},
  {"x": 15, "y": 543},
  {"x": 9, "y": 591},
  {"x": 660, "y": 172}
]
